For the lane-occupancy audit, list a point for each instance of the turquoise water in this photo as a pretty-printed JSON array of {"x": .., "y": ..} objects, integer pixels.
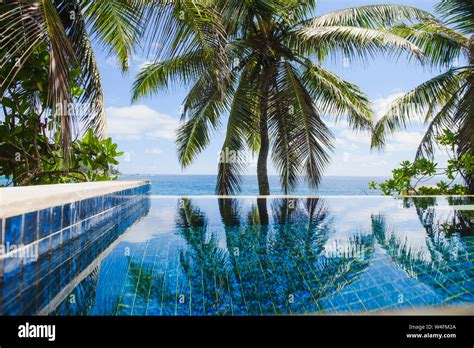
[
  {"x": 182, "y": 185},
  {"x": 244, "y": 256}
]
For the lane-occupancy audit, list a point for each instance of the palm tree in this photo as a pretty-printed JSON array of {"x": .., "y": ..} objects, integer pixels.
[
  {"x": 260, "y": 62},
  {"x": 446, "y": 101},
  {"x": 68, "y": 28}
]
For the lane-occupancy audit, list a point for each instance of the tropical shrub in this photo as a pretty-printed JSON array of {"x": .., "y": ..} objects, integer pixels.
[
  {"x": 31, "y": 150},
  {"x": 410, "y": 176}
]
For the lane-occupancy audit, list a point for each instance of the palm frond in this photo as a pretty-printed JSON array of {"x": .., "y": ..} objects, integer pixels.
[
  {"x": 442, "y": 120},
  {"x": 312, "y": 138},
  {"x": 294, "y": 12},
  {"x": 353, "y": 42},
  {"x": 371, "y": 16},
  {"x": 464, "y": 118},
  {"x": 239, "y": 15},
  {"x": 154, "y": 76},
  {"x": 337, "y": 97},
  {"x": 61, "y": 53},
  {"x": 418, "y": 102},
  {"x": 115, "y": 25},
  {"x": 203, "y": 106},
  {"x": 22, "y": 29},
  {"x": 183, "y": 26},
  {"x": 440, "y": 45},
  {"x": 93, "y": 115},
  {"x": 282, "y": 129},
  {"x": 458, "y": 13}
]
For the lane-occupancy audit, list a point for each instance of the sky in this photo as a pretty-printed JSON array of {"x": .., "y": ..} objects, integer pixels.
[{"x": 145, "y": 130}]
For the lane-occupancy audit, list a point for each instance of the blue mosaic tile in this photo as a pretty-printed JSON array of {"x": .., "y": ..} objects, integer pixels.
[
  {"x": 44, "y": 294},
  {"x": 384, "y": 300},
  {"x": 30, "y": 228},
  {"x": 66, "y": 216},
  {"x": 11, "y": 268},
  {"x": 75, "y": 208},
  {"x": 65, "y": 235},
  {"x": 351, "y": 298},
  {"x": 44, "y": 245},
  {"x": 371, "y": 304},
  {"x": 28, "y": 272},
  {"x": 84, "y": 209},
  {"x": 56, "y": 219},
  {"x": 13, "y": 232},
  {"x": 29, "y": 301},
  {"x": 55, "y": 240},
  {"x": 12, "y": 307},
  {"x": 75, "y": 230},
  {"x": 99, "y": 204},
  {"x": 44, "y": 222}
]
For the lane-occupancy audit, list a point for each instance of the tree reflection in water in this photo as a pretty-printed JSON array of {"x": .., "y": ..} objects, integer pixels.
[
  {"x": 262, "y": 268},
  {"x": 445, "y": 264},
  {"x": 277, "y": 256}
]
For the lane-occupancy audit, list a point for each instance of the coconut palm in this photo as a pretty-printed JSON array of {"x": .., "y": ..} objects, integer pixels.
[
  {"x": 68, "y": 28},
  {"x": 261, "y": 62},
  {"x": 446, "y": 101}
]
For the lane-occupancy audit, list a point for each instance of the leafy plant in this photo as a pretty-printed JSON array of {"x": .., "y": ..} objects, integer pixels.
[
  {"x": 31, "y": 149},
  {"x": 409, "y": 177},
  {"x": 24, "y": 164}
]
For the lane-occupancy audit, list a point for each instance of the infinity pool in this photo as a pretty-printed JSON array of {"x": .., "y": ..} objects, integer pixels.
[{"x": 249, "y": 256}]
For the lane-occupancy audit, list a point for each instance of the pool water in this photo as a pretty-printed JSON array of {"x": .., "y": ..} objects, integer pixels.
[{"x": 249, "y": 256}]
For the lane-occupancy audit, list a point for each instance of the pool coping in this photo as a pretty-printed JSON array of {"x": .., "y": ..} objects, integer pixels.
[{"x": 24, "y": 199}]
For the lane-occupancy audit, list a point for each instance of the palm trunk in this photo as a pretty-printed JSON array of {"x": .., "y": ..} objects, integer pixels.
[
  {"x": 470, "y": 179},
  {"x": 262, "y": 175},
  {"x": 262, "y": 210}
]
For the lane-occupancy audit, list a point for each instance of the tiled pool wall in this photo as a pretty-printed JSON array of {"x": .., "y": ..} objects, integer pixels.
[{"x": 44, "y": 250}]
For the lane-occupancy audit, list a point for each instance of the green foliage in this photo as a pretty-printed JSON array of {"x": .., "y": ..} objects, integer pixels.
[
  {"x": 95, "y": 156},
  {"x": 31, "y": 151},
  {"x": 407, "y": 178},
  {"x": 28, "y": 164}
]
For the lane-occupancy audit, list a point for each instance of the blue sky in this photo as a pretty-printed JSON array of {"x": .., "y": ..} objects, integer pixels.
[{"x": 145, "y": 130}]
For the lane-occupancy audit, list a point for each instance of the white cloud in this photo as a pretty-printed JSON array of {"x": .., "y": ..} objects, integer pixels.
[
  {"x": 355, "y": 136},
  {"x": 138, "y": 121},
  {"x": 403, "y": 141},
  {"x": 154, "y": 151}
]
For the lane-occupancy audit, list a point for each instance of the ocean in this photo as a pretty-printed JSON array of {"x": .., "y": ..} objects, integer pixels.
[{"x": 178, "y": 185}]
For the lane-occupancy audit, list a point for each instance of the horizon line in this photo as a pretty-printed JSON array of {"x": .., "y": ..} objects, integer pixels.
[{"x": 254, "y": 175}]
